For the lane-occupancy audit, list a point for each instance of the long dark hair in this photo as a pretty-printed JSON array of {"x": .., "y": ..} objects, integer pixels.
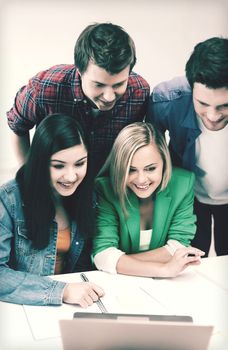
[{"x": 56, "y": 132}]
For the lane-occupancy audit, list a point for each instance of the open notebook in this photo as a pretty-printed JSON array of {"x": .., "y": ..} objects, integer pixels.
[{"x": 88, "y": 331}]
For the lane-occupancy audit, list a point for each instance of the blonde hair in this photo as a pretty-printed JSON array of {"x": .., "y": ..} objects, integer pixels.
[{"x": 128, "y": 141}]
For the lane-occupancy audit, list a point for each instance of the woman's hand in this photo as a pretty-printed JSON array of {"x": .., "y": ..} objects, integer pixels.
[
  {"x": 82, "y": 293},
  {"x": 182, "y": 258}
]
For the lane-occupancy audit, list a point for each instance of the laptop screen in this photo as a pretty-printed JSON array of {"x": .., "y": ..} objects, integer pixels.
[{"x": 133, "y": 332}]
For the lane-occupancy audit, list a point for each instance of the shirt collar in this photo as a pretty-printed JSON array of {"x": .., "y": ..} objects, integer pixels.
[{"x": 77, "y": 87}]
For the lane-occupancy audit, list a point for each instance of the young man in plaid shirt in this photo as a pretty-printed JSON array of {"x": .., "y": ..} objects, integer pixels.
[{"x": 99, "y": 90}]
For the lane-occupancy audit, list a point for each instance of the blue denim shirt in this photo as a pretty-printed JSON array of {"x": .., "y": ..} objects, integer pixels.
[
  {"x": 24, "y": 269},
  {"x": 171, "y": 108}
]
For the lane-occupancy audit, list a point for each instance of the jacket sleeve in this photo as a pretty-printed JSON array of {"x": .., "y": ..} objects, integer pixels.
[
  {"x": 107, "y": 219},
  {"x": 182, "y": 227},
  {"x": 22, "y": 287}
]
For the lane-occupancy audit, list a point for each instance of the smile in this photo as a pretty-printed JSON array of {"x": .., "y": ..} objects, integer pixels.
[
  {"x": 66, "y": 185},
  {"x": 142, "y": 187},
  {"x": 108, "y": 103}
]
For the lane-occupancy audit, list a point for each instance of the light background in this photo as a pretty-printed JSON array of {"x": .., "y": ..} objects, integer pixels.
[{"x": 35, "y": 35}]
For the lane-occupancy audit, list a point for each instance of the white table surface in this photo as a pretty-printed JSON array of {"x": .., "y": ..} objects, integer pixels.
[{"x": 204, "y": 287}]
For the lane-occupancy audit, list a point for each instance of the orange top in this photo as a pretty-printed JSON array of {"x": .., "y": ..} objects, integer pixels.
[{"x": 63, "y": 245}]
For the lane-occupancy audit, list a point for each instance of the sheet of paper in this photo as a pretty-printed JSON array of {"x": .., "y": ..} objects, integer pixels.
[
  {"x": 215, "y": 270},
  {"x": 43, "y": 320},
  {"x": 123, "y": 294},
  {"x": 194, "y": 295}
]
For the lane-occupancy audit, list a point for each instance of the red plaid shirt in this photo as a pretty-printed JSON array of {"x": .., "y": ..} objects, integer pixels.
[{"x": 58, "y": 90}]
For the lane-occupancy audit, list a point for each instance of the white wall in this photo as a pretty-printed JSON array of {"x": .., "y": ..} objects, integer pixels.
[{"x": 36, "y": 34}]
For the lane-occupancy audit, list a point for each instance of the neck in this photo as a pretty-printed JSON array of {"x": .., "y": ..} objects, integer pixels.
[{"x": 144, "y": 202}]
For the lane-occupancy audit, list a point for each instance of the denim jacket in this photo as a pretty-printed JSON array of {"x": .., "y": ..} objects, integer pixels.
[
  {"x": 24, "y": 269},
  {"x": 171, "y": 108}
]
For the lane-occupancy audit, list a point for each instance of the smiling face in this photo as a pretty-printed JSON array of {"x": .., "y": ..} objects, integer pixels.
[
  {"x": 211, "y": 106},
  {"x": 68, "y": 169},
  {"x": 102, "y": 88},
  {"x": 145, "y": 173}
]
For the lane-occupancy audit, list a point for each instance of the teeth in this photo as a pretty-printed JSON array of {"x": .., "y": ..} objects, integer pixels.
[
  {"x": 65, "y": 184},
  {"x": 142, "y": 187}
]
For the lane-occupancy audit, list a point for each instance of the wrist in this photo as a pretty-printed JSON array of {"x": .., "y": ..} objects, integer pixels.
[
  {"x": 164, "y": 270},
  {"x": 66, "y": 292}
]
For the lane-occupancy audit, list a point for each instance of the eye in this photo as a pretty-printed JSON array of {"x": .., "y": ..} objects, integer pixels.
[
  {"x": 57, "y": 166},
  {"x": 151, "y": 168},
  {"x": 222, "y": 107},
  {"x": 80, "y": 164},
  {"x": 203, "y": 104},
  {"x": 131, "y": 170},
  {"x": 116, "y": 86},
  {"x": 99, "y": 85}
]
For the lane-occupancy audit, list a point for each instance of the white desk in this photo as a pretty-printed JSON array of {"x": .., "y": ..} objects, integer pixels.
[{"x": 201, "y": 292}]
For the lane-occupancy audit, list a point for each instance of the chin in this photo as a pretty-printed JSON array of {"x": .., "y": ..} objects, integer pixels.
[
  {"x": 144, "y": 194},
  {"x": 104, "y": 108}
]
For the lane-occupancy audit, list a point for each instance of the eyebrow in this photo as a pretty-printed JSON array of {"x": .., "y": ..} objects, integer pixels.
[
  {"x": 61, "y": 161},
  {"x": 146, "y": 166},
  {"x": 224, "y": 104},
  {"x": 99, "y": 82}
]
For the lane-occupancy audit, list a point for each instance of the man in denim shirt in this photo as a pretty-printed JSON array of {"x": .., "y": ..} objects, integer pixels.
[{"x": 194, "y": 110}]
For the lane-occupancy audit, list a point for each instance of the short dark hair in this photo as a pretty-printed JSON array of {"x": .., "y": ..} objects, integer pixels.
[
  {"x": 208, "y": 64},
  {"x": 56, "y": 132},
  {"x": 107, "y": 45}
]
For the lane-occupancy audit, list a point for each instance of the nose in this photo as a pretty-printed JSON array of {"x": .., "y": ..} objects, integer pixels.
[
  {"x": 141, "y": 178},
  {"x": 109, "y": 94},
  {"x": 70, "y": 174},
  {"x": 213, "y": 115}
]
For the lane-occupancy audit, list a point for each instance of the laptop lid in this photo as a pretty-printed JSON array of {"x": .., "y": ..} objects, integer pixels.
[{"x": 133, "y": 332}]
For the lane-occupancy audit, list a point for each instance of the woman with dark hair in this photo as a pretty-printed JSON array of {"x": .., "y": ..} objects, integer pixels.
[{"x": 46, "y": 219}]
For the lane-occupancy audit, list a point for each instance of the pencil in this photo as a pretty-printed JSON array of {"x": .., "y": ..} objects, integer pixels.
[{"x": 98, "y": 302}]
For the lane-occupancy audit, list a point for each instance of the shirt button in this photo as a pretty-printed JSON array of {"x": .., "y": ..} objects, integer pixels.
[
  {"x": 76, "y": 243},
  {"x": 84, "y": 101}
]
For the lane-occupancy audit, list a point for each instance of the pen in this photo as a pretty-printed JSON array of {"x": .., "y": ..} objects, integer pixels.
[{"x": 98, "y": 302}]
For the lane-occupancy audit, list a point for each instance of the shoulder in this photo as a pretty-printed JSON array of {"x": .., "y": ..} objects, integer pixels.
[
  {"x": 104, "y": 189},
  {"x": 10, "y": 186},
  {"x": 103, "y": 184},
  {"x": 57, "y": 73},
  {"x": 135, "y": 81},
  {"x": 182, "y": 179},
  {"x": 172, "y": 90},
  {"x": 10, "y": 191}
]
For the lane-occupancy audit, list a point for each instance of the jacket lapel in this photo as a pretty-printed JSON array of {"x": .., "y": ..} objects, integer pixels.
[
  {"x": 133, "y": 222},
  {"x": 161, "y": 213}
]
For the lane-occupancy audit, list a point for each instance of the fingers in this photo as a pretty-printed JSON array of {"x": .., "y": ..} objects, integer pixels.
[
  {"x": 189, "y": 252},
  {"x": 189, "y": 256},
  {"x": 183, "y": 257},
  {"x": 91, "y": 294},
  {"x": 98, "y": 290},
  {"x": 195, "y": 252},
  {"x": 84, "y": 293}
]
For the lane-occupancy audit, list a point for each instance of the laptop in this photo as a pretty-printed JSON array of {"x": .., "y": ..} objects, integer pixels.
[{"x": 92, "y": 331}]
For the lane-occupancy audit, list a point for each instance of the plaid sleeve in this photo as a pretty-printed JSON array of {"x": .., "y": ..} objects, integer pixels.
[{"x": 25, "y": 112}]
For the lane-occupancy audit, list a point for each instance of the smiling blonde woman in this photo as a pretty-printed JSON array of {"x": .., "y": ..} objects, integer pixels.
[{"x": 144, "y": 220}]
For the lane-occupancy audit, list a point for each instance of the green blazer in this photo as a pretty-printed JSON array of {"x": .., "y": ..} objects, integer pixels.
[{"x": 173, "y": 215}]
